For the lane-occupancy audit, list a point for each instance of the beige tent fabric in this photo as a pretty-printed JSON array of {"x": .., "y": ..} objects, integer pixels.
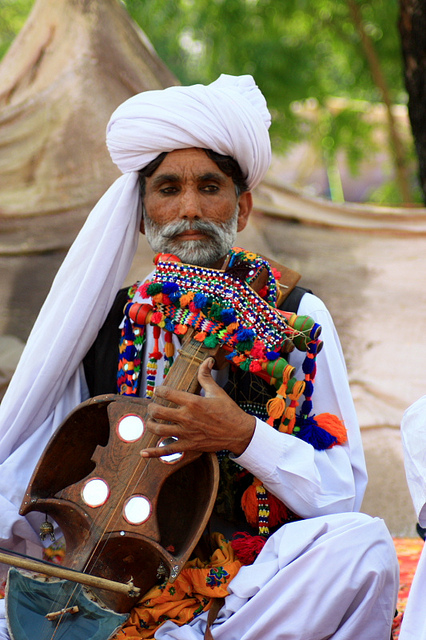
[{"x": 71, "y": 65}]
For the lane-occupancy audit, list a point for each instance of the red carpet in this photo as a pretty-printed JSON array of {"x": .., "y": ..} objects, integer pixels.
[{"x": 408, "y": 551}]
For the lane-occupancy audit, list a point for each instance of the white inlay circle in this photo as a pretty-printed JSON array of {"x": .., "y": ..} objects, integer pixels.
[
  {"x": 130, "y": 428},
  {"x": 95, "y": 492},
  {"x": 137, "y": 509},
  {"x": 172, "y": 457}
]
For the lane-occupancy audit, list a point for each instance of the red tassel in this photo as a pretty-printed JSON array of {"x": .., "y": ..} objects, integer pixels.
[{"x": 247, "y": 547}]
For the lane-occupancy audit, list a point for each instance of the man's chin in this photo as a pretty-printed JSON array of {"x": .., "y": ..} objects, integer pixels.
[{"x": 197, "y": 252}]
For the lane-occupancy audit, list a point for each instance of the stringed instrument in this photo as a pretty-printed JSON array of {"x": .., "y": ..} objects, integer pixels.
[{"x": 127, "y": 519}]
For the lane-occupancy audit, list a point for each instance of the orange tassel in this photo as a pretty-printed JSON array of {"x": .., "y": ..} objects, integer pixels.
[
  {"x": 249, "y": 503},
  {"x": 275, "y": 407},
  {"x": 169, "y": 348},
  {"x": 333, "y": 425}
]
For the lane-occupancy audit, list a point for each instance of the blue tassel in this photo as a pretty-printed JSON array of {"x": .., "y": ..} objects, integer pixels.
[
  {"x": 200, "y": 300},
  {"x": 272, "y": 355},
  {"x": 245, "y": 335},
  {"x": 308, "y": 365},
  {"x": 228, "y": 316},
  {"x": 309, "y": 389},
  {"x": 308, "y": 430},
  {"x": 170, "y": 287},
  {"x": 169, "y": 326}
]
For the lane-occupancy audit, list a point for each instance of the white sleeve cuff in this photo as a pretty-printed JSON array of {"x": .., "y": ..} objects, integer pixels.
[{"x": 265, "y": 451}]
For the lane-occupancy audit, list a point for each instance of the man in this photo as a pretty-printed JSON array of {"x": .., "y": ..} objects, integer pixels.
[
  {"x": 413, "y": 433},
  {"x": 332, "y": 573}
]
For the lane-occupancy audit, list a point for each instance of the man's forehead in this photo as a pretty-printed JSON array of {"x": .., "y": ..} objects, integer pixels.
[{"x": 192, "y": 160}]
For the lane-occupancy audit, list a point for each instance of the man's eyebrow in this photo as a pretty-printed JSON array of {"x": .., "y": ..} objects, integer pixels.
[
  {"x": 212, "y": 175},
  {"x": 165, "y": 177}
]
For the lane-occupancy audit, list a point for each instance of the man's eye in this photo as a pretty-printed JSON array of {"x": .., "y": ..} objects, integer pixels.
[
  {"x": 210, "y": 188},
  {"x": 167, "y": 190}
]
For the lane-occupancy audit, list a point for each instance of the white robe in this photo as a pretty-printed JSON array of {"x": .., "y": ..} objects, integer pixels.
[{"x": 413, "y": 433}]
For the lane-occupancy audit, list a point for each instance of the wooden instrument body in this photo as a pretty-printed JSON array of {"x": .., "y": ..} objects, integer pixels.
[{"x": 100, "y": 540}]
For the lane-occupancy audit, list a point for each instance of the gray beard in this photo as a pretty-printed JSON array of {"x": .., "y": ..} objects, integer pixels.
[{"x": 203, "y": 253}]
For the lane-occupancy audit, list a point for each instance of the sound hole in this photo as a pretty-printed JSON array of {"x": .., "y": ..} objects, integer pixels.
[
  {"x": 95, "y": 492},
  {"x": 130, "y": 428},
  {"x": 137, "y": 509},
  {"x": 172, "y": 457}
]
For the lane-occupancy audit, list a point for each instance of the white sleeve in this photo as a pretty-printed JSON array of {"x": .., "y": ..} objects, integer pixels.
[
  {"x": 413, "y": 435},
  {"x": 314, "y": 482}
]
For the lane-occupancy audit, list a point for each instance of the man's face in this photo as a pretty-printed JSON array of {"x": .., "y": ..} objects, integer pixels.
[{"x": 191, "y": 208}]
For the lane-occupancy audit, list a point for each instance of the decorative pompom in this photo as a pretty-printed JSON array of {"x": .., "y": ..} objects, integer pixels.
[
  {"x": 277, "y": 274},
  {"x": 201, "y": 336},
  {"x": 200, "y": 300},
  {"x": 186, "y": 299},
  {"x": 272, "y": 355},
  {"x": 245, "y": 365},
  {"x": 156, "y": 317},
  {"x": 144, "y": 289},
  {"x": 166, "y": 257},
  {"x": 255, "y": 366},
  {"x": 245, "y": 335},
  {"x": 215, "y": 312},
  {"x": 169, "y": 326},
  {"x": 333, "y": 425},
  {"x": 247, "y": 547},
  {"x": 258, "y": 350},
  {"x": 211, "y": 341},
  {"x": 308, "y": 430},
  {"x": 180, "y": 329},
  {"x": 154, "y": 288},
  {"x": 175, "y": 299},
  {"x": 228, "y": 316},
  {"x": 170, "y": 287}
]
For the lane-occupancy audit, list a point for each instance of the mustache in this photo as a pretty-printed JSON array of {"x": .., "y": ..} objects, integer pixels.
[{"x": 173, "y": 229}]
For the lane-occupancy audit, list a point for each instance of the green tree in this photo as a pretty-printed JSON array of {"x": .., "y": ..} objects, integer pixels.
[
  {"x": 13, "y": 14},
  {"x": 297, "y": 50}
]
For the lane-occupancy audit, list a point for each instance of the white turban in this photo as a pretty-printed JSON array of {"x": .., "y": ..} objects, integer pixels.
[{"x": 230, "y": 117}]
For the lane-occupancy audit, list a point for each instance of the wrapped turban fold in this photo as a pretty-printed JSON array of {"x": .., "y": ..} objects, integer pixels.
[{"x": 229, "y": 116}]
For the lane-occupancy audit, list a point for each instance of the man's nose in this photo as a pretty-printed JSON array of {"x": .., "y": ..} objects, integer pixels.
[{"x": 189, "y": 205}]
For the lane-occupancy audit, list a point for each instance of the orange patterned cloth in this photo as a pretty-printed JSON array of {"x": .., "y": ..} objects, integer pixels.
[
  {"x": 187, "y": 597},
  {"x": 408, "y": 551}
]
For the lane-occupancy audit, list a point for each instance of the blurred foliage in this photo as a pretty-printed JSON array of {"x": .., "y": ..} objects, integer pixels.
[
  {"x": 296, "y": 50},
  {"x": 13, "y": 14}
]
